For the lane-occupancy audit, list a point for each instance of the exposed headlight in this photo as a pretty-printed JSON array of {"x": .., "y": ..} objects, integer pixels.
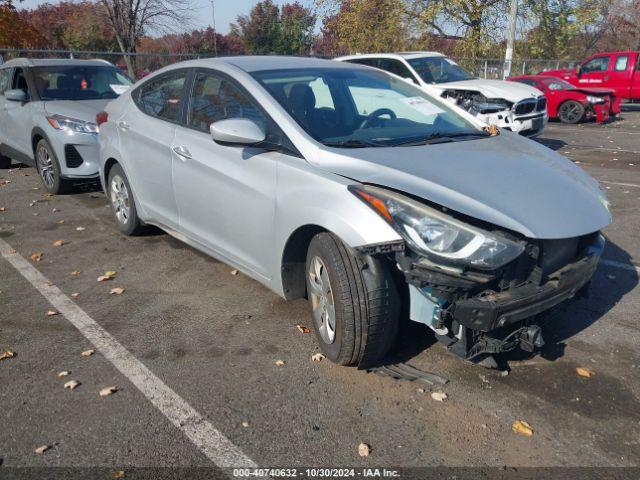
[
  {"x": 73, "y": 125},
  {"x": 594, "y": 100},
  {"x": 436, "y": 235}
]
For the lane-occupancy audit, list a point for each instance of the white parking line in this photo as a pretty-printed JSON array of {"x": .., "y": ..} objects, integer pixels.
[
  {"x": 621, "y": 184},
  {"x": 219, "y": 449},
  {"x": 624, "y": 266}
]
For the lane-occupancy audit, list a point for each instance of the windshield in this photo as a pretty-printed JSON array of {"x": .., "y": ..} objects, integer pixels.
[
  {"x": 362, "y": 107},
  {"x": 79, "y": 82},
  {"x": 557, "y": 84},
  {"x": 439, "y": 70}
]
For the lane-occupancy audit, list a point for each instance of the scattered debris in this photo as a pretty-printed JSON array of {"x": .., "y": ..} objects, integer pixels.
[
  {"x": 116, "y": 291},
  {"x": 585, "y": 372},
  {"x": 42, "y": 449},
  {"x": 118, "y": 474},
  {"x": 51, "y": 313},
  {"x": 107, "y": 276},
  {"x": 61, "y": 222},
  {"x": 71, "y": 384},
  {"x": 64, "y": 373},
  {"x": 234, "y": 272},
  {"x": 80, "y": 229},
  {"x": 105, "y": 392},
  {"x": 75, "y": 294},
  {"x": 523, "y": 428},
  {"x": 88, "y": 353},
  {"x": 7, "y": 354},
  {"x": 439, "y": 396},
  {"x": 55, "y": 210},
  {"x": 245, "y": 424},
  {"x": 504, "y": 373},
  {"x": 59, "y": 243},
  {"x": 36, "y": 257},
  {"x": 303, "y": 329},
  {"x": 364, "y": 450},
  {"x": 75, "y": 273},
  {"x": 2, "y": 209},
  {"x": 317, "y": 357},
  {"x": 280, "y": 363}
]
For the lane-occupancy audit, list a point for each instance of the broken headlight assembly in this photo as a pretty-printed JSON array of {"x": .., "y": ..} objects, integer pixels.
[{"x": 436, "y": 235}]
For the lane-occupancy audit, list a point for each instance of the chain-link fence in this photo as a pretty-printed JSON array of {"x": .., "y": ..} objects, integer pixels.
[{"x": 149, "y": 61}]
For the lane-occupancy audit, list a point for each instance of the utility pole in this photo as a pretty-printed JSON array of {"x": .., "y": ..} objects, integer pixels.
[
  {"x": 508, "y": 56},
  {"x": 215, "y": 35}
]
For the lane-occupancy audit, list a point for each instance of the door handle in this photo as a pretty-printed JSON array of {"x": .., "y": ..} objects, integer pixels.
[
  {"x": 124, "y": 125},
  {"x": 182, "y": 151}
]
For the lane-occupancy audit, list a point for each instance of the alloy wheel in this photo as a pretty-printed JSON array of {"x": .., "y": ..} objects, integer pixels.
[
  {"x": 45, "y": 167},
  {"x": 120, "y": 199},
  {"x": 322, "y": 304}
]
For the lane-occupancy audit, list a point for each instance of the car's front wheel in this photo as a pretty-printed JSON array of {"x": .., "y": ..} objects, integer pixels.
[
  {"x": 122, "y": 203},
  {"x": 354, "y": 302},
  {"x": 49, "y": 170},
  {"x": 570, "y": 112}
]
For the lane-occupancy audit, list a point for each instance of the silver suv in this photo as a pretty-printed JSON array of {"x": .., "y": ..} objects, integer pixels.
[{"x": 47, "y": 116}]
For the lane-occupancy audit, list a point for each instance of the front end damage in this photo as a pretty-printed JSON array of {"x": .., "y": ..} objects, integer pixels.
[
  {"x": 527, "y": 117},
  {"x": 478, "y": 314}
]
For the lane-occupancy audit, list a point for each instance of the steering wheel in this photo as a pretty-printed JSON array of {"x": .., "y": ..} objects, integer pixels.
[{"x": 375, "y": 115}]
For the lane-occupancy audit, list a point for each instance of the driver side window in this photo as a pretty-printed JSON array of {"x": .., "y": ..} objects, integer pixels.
[
  {"x": 215, "y": 98},
  {"x": 598, "y": 64},
  {"x": 19, "y": 80}
]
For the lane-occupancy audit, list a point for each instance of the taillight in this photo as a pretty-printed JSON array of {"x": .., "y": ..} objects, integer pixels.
[{"x": 101, "y": 118}]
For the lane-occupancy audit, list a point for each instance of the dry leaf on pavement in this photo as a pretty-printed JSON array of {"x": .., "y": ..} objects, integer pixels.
[
  {"x": 59, "y": 243},
  {"x": 71, "y": 384},
  {"x": 245, "y": 424},
  {"x": 107, "y": 276},
  {"x": 2, "y": 209},
  {"x": 317, "y": 357},
  {"x": 64, "y": 373},
  {"x": 522, "y": 427},
  {"x": 51, "y": 313},
  {"x": 36, "y": 257},
  {"x": 439, "y": 396},
  {"x": 75, "y": 294},
  {"x": 7, "y": 354},
  {"x": 585, "y": 372},
  {"x": 303, "y": 329},
  {"x": 118, "y": 474},
  {"x": 80, "y": 229},
  {"x": 234, "y": 272},
  {"x": 280, "y": 363},
  {"x": 55, "y": 210},
  {"x": 75, "y": 273},
  {"x": 61, "y": 222},
  {"x": 116, "y": 291},
  {"x": 105, "y": 392},
  {"x": 364, "y": 450},
  {"x": 88, "y": 353},
  {"x": 42, "y": 449}
]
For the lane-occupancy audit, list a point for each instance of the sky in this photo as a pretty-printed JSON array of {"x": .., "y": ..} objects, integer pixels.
[{"x": 226, "y": 11}]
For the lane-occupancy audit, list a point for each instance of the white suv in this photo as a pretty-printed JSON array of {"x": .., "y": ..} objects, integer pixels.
[{"x": 519, "y": 108}]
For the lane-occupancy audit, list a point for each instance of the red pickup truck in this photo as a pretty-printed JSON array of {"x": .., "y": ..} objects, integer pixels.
[{"x": 619, "y": 71}]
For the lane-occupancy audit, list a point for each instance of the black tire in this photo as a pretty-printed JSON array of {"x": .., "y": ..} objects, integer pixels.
[
  {"x": 5, "y": 162},
  {"x": 571, "y": 112},
  {"x": 130, "y": 223},
  {"x": 48, "y": 169},
  {"x": 365, "y": 299}
]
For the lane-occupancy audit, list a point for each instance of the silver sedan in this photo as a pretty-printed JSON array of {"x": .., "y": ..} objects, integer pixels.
[{"x": 364, "y": 194}]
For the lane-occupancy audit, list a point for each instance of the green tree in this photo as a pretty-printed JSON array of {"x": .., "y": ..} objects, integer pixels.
[
  {"x": 261, "y": 29},
  {"x": 296, "y": 31}
]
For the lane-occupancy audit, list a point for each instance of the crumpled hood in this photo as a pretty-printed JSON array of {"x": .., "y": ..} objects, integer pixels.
[
  {"x": 510, "y": 91},
  {"x": 505, "y": 180},
  {"x": 81, "y": 109}
]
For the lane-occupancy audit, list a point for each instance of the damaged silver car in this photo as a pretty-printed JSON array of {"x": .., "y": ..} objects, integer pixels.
[{"x": 359, "y": 191}]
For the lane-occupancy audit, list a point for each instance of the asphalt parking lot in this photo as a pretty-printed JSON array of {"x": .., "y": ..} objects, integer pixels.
[{"x": 213, "y": 338}]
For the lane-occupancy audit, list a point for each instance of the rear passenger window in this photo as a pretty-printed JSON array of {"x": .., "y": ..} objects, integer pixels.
[
  {"x": 162, "y": 97},
  {"x": 621, "y": 63},
  {"x": 396, "y": 67},
  {"x": 214, "y": 98}
]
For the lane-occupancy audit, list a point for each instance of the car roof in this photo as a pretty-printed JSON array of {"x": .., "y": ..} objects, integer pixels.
[
  {"x": 255, "y": 63},
  {"x": 51, "y": 62},
  {"x": 396, "y": 55}
]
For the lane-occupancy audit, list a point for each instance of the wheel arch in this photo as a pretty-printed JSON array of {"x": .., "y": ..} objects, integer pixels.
[{"x": 294, "y": 258}]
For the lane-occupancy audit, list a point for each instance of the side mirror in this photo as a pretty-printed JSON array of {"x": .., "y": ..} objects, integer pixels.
[
  {"x": 16, "y": 95},
  {"x": 237, "y": 131}
]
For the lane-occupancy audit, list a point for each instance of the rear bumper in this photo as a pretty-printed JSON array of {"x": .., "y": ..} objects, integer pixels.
[{"x": 486, "y": 313}]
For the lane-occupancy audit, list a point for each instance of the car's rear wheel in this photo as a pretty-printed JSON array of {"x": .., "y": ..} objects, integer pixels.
[
  {"x": 354, "y": 302},
  {"x": 49, "y": 170},
  {"x": 123, "y": 205},
  {"x": 570, "y": 112},
  {"x": 5, "y": 162}
]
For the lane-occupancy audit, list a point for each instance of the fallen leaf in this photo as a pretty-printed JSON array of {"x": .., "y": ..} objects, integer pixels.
[
  {"x": 439, "y": 396},
  {"x": 88, "y": 353},
  {"x": 317, "y": 357},
  {"x": 4, "y": 182},
  {"x": 7, "y": 354},
  {"x": 245, "y": 424},
  {"x": 105, "y": 392},
  {"x": 80, "y": 229},
  {"x": 234, "y": 272},
  {"x": 585, "y": 372},
  {"x": 280, "y": 363},
  {"x": 75, "y": 273},
  {"x": 364, "y": 450},
  {"x": 2, "y": 209},
  {"x": 59, "y": 243},
  {"x": 51, "y": 313},
  {"x": 55, "y": 210},
  {"x": 303, "y": 329},
  {"x": 522, "y": 427},
  {"x": 64, "y": 373},
  {"x": 42, "y": 449},
  {"x": 36, "y": 257},
  {"x": 71, "y": 384},
  {"x": 75, "y": 294},
  {"x": 116, "y": 291},
  {"x": 107, "y": 276},
  {"x": 118, "y": 474},
  {"x": 60, "y": 222}
]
